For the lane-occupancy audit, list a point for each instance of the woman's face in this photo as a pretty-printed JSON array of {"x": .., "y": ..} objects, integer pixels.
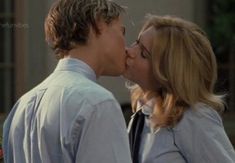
[{"x": 138, "y": 63}]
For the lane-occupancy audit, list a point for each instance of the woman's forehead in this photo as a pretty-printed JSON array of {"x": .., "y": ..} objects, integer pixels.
[{"x": 146, "y": 33}]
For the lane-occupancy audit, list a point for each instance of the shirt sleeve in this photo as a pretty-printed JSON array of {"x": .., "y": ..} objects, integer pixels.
[
  {"x": 202, "y": 138},
  {"x": 7, "y": 149},
  {"x": 104, "y": 137}
]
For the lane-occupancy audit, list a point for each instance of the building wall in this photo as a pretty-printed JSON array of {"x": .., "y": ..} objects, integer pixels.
[
  {"x": 38, "y": 61},
  {"x": 34, "y": 61},
  {"x": 188, "y": 9}
]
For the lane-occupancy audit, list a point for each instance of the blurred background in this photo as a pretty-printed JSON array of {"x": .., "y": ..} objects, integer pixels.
[{"x": 25, "y": 58}]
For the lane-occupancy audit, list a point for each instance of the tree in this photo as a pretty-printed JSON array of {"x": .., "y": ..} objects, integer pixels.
[{"x": 221, "y": 30}]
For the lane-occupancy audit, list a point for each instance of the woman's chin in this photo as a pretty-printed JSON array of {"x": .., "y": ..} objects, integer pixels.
[{"x": 129, "y": 78}]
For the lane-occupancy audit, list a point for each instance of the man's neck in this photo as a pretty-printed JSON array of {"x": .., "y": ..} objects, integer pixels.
[{"x": 87, "y": 55}]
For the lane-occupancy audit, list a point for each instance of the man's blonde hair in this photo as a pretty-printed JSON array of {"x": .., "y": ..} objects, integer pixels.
[{"x": 68, "y": 22}]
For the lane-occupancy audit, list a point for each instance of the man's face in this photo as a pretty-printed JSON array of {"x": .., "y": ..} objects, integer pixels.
[{"x": 112, "y": 47}]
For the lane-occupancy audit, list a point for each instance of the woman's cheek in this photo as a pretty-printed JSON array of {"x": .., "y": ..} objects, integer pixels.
[{"x": 129, "y": 62}]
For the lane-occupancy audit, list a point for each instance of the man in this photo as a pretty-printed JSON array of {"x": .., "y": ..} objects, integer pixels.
[{"x": 68, "y": 117}]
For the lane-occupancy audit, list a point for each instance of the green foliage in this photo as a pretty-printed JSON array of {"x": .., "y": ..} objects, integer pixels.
[{"x": 222, "y": 25}]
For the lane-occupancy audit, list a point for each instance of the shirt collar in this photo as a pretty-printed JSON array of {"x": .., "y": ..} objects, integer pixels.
[
  {"x": 147, "y": 108},
  {"x": 76, "y": 65}
]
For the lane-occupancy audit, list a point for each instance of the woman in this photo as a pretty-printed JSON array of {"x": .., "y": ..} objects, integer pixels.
[{"x": 174, "y": 68}]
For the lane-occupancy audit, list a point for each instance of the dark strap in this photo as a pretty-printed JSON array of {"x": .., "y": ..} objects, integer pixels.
[{"x": 135, "y": 135}]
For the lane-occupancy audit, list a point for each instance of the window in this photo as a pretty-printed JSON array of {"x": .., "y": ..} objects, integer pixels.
[{"x": 6, "y": 55}]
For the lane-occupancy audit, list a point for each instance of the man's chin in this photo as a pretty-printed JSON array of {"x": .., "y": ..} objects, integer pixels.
[{"x": 126, "y": 75}]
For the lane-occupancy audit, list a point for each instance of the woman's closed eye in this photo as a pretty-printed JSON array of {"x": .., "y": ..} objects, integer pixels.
[{"x": 142, "y": 53}]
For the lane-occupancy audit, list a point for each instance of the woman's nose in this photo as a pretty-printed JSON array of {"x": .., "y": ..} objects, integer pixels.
[{"x": 129, "y": 52}]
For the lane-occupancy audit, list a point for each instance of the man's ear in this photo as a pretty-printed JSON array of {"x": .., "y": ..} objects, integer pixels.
[
  {"x": 95, "y": 32},
  {"x": 101, "y": 25}
]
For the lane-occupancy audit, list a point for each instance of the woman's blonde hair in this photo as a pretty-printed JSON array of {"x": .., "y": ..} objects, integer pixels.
[{"x": 185, "y": 67}]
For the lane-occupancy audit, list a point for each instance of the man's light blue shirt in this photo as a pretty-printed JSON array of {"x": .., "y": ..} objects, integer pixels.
[{"x": 68, "y": 118}]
